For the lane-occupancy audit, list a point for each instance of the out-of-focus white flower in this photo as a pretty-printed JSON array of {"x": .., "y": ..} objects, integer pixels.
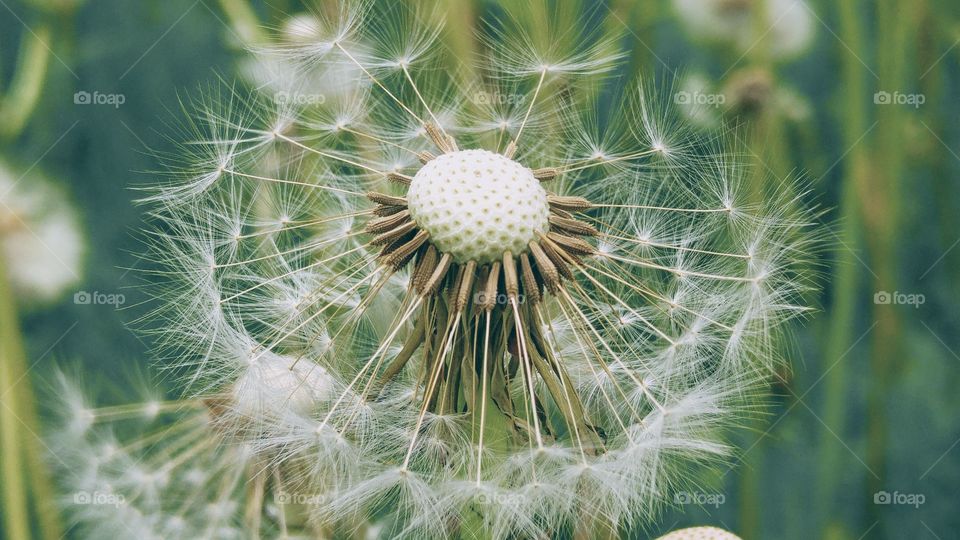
[
  {"x": 785, "y": 27},
  {"x": 40, "y": 237},
  {"x": 154, "y": 470}
]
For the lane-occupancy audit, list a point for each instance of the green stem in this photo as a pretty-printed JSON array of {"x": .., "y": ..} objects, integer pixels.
[
  {"x": 27, "y": 84},
  {"x": 895, "y": 26},
  {"x": 15, "y": 507},
  {"x": 748, "y": 524},
  {"x": 44, "y": 496},
  {"x": 460, "y": 36},
  {"x": 846, "y": 272},
  {"x": 933, "y": 87}
]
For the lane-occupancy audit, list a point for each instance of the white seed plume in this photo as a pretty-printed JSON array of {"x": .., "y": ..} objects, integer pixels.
[
  {"x": 159, "y": 469},
  {"x": 40, "y": 237},
  {"x": 519, "y": 316}
]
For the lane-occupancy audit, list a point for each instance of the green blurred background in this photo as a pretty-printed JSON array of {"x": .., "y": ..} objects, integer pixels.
[{"x": 863, "y": 437}]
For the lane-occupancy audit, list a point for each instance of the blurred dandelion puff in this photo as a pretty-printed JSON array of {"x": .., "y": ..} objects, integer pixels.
[
  {"x": 40, "y": 236},
  {"x": 782, "y": 29}
]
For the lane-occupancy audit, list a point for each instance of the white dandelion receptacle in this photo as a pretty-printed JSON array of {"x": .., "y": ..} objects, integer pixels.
[{"x": 476, "y": 204}]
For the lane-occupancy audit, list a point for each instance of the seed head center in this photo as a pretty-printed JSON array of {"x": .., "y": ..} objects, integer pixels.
[{"x": 476, "y": 205}]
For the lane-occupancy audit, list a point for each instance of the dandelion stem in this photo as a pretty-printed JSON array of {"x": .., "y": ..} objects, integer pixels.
[
  {"x": 15, "y": 495},
  {"x": 18, "y": 418},
  {"x": 846, "y": 274}
]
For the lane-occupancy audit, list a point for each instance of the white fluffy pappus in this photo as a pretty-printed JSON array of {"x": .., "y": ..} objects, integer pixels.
[
  {"x": 160, "y": 469},
  {"x": 569, "y": 379}
]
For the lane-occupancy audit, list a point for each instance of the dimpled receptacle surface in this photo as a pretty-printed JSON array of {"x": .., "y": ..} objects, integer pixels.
[{"x": 477, "y": 204}]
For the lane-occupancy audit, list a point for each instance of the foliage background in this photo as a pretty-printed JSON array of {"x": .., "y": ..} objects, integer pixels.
[{"x": 871, "y": 403}]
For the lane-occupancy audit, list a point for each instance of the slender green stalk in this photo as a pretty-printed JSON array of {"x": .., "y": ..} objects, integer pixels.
[
  {"x": 930, "y": 44},
  {"x": 24, "y": 470},
  {"x": 459, "y": 34},
  {"x": 18, "y": 403},
  {"x": 27, "y": 84},
  {"x": 768, "y": 146},
  {"x": 748, "y": 508},
  {"x": 846, "y": 271},
  {"x": 639, "y": 19},
  {"x": 41, "y": 485},
  {"x": 16, "y": 514},
  {"x": 895, "y": 31}
]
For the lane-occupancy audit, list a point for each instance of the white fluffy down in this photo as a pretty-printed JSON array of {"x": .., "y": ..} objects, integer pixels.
[{"x": 276, "y": 383}]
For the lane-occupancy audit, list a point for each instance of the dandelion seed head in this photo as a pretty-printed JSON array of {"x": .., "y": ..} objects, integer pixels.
[{"x": 432, "y": 300}]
